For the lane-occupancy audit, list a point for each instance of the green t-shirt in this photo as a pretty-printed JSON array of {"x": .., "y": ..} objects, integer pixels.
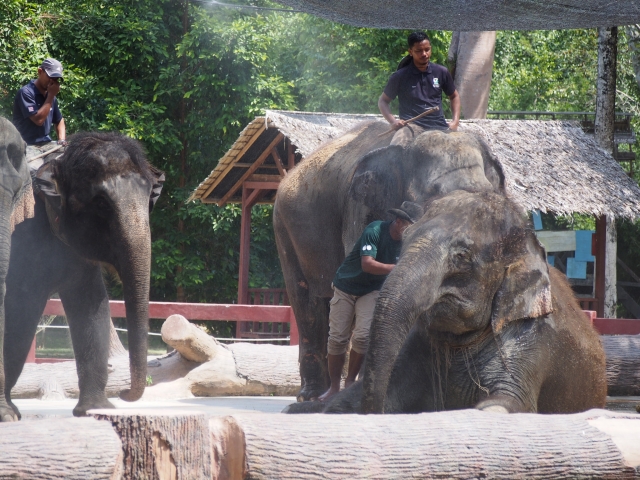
[{"x": 374, "y": 242}]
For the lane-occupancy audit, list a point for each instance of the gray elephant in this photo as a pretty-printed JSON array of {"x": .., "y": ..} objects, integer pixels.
[
  {"x": 92, "y": 208},
  {"x": 472, "y": 316},
  {"x": 16, "y": 199},
  {"x": 323, "y": 205}
]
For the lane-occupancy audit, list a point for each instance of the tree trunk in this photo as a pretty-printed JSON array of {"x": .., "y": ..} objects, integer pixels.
[
  {"x": 633, "y": 37},
  {"x": 192, "y": 343},
  {"x": 606, "y": 86},
  {"x": 457, "y": 444},
  {"x": 162, "y": 444},
  {"x": 470, "y": 60},
  {"x": 623, "y": 364},
  {"x": 57, "y": 448}
]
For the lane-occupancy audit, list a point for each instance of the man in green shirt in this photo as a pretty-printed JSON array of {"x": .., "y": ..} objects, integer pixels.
[{"x": 356, "y": 286}]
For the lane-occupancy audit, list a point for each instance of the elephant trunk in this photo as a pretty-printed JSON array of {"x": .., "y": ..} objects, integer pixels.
[
  {"x": 134, "y": 268},
  {"x": 401, "y": 302}
]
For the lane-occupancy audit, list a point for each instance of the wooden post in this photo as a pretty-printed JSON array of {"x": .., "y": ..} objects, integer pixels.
[
  {"x": 599, "y": 284},
  {"x": 31, "y": 356}
]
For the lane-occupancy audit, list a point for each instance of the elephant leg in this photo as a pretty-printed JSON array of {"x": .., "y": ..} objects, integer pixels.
[
  {"x": 26, "y": 298},
  {"x": 312, "y": 317},
  {"x": 418, "y": 381},
  {"x": 86, "y": 304}
]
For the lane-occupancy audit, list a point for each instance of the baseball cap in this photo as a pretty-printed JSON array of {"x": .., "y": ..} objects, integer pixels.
[{"x": 52, "y": 67}]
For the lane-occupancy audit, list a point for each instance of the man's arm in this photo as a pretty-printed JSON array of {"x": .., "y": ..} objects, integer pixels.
[
  {"x": 371, "y": 265},
  {"x": 52, "y": 90},
  {"x": 61, "y": 130},
  {"x": 454, "y": 98},
  {"x": 385, "y": 109}
]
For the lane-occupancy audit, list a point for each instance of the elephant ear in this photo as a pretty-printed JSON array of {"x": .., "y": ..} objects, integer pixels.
[
  {"x": 156, "y": 189},
  {"x": 377, "y": 185},
  {"x": 46, "y": 182},
  {"x": 525, "y": 291}
]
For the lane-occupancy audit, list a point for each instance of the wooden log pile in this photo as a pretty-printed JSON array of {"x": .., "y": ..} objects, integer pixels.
[
  {"x": 168, "y": 445},
  {"x": 200, "y": 366}
]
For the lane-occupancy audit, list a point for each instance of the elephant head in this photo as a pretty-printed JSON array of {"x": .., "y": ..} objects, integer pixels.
[
  {"x": 98, "y": 197},
  {"x": 16, "y": 199},
  {"x": 470, "y": 265},
  {"x": 434, "y": 164}
]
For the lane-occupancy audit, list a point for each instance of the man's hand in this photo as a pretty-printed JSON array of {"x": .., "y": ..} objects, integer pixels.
[
  {"x": 453, "y": 126},
  {"x": 53, "y": 88},
  {"x": 398, "y": 124}
]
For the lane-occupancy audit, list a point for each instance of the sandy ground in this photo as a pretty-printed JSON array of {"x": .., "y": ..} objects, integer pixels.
[{"x": 35, "y": 409}]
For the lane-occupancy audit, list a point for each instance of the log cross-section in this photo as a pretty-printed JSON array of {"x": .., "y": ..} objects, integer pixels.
[
  {"x": 162, "y": 444},
  {"x": 259, "y": 161}
]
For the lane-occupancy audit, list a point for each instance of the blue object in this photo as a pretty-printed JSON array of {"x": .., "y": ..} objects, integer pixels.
[
  {"x": 551, "y": 260},
  {"x": 576, "y": 268},
  {"x": 583, "y": 246},
  {"x": 537, "y": 220}
]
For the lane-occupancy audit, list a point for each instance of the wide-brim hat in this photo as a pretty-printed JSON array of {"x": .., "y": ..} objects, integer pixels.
[
  {"x": 408, "y": 211},
  {"x": 52, "y": 67}
]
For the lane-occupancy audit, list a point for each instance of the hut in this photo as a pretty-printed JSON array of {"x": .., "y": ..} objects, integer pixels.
[{"x": 550, "y": 166}]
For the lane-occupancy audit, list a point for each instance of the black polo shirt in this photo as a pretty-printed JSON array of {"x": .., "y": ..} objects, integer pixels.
[
  {"x": 27, "y": 103},
  {"x": 418, "y": 91}
]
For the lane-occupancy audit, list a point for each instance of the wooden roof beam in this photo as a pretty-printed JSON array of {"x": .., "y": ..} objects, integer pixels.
[
  {"x": 278, "y": 162},
  {"x": 263, "y": 156},
  {"x": 223, "y": 174}
]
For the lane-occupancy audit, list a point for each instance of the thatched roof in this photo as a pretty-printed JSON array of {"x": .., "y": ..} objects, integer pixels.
[
  {"x": 470, "y": 15},
  {"x": 549, "y": 165}
]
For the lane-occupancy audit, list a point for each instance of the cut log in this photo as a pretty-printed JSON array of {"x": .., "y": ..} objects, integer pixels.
[
  {"x": 192, "y": 343},
  {"x": 115, "y": 345},
  {"x": 623, "y": 364},
  {"x": 246, "y": 369},
  {"x": 65, "y": 449},
  {"x": 455, "y": 445},
  {"x": 162, "y": 444}
]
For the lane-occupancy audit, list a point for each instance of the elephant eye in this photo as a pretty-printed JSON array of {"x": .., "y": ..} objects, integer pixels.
[
  {"x": 462, "y": 259},
  {"x": 101, "y": 203}
]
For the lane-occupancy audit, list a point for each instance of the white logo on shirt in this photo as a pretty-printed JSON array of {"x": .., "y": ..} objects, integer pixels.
[
  {"x": 30, "y": 109},
  {"x": 436, "y": 83},
  {"x": 366, "y": 247}
]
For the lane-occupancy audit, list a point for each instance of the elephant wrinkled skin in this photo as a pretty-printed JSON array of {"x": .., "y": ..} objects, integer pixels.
[
  {"x": 92, "y": 208},
  {"x": 473, "y": 316},
  {"x": 323, "y": 205},
  {"x": 16, "y": 200}
]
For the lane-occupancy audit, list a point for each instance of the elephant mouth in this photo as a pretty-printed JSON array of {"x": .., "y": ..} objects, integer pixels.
[{"x": 465, "y": 340}]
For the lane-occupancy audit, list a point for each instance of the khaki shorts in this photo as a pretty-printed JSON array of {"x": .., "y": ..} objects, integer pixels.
[{"x": 344, "y": 308}]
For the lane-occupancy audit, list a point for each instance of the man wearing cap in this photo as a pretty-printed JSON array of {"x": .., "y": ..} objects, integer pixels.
[
  {"x": 419, "y": 84},
  {"x": 35, "y": 107},
  {"x": 356, "y": 286}
]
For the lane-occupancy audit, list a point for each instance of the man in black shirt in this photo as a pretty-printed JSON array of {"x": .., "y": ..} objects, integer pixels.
[
  {"x": 35, "y": 107},
  {"x": 419, "y": 86}
]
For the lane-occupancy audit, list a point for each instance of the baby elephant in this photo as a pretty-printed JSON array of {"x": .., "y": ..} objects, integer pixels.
[{"x": 473, "y": 316}]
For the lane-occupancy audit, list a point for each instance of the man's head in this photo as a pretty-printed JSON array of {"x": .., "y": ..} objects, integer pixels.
[
  {"x": 49, "y": 72},
  {"x": 419, "y": 49},
  {"x": 407, "y": 214}
]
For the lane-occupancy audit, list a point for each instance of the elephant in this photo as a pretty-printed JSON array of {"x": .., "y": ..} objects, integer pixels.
[
  {"x": 92, "y": 209},
  {"x": 323, "y": 205},
  {"x": 473, "y": 316},
  {"x": 16, "y": 199}
]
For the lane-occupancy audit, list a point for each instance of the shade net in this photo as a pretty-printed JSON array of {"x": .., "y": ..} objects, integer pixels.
[{"x": 470, "y": 15}]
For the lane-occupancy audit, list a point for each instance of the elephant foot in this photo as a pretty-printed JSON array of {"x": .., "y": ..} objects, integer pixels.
[
  {"x": 84, "y": 405},
  {"x": 9, "y": 412},
  {"x": 310, "y": 392},
  {"x": 304, "y": 407}
]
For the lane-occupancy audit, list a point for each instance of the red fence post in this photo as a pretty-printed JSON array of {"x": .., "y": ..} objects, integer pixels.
[{"x": 31, "y": 356}]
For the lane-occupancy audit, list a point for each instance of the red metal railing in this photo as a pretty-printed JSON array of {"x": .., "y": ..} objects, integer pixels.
[
  {"x": 278, "y": 314},
  {"x": 262, "y": 329}
]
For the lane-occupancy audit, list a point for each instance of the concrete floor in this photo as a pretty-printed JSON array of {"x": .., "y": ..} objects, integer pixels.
[{"x": 32, "y": 409}]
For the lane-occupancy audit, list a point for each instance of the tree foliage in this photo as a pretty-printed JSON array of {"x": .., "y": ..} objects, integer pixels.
[{"x": 184, "y": 78}]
